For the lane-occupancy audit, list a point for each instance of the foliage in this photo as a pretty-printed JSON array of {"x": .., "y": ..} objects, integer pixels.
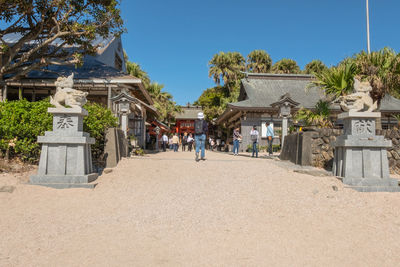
[
  {"x": 213, "y": 100},
  {"x": 337, "y": 81},
  {"x": 382, "y": 69},
  {"x": 397, "y": 117},
  {"x": 135, "y": 70},
  {"x": 319, "y": 117},
  {"x": 163, "y": 101},
  {"x": 286, "y": 66},
  {"x": 26, "y": 120},
  {"x": 259, "y": 61},
  {"x": 96, "y": 123},
  {"x": 49, "y": 28},
  {"x": 226, "y": 67},
  {"x": 315, "y": 66}
]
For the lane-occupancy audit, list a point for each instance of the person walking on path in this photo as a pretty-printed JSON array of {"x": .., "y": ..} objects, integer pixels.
[
  {"x": 236, "y": 141},
  {"x": 184, "y": 141},
  {"x": 270, "y": 137},
  {"x": 254, "y": 138},
  {"x": 171, "y": 145},
  {"x": 175, "y": 142},
  {"x": 164, "y": 142},
  {"x": 200, "y": 130},
  {"x": 190, "y": 141}
]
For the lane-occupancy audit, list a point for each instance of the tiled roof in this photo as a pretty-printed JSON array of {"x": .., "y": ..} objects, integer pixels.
[
  {"x": 260, "y": 91},
  {"x": 91, "y": 69}
]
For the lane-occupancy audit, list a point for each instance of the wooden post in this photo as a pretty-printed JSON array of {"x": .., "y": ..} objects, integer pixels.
[
  {"x": 109, "y": 97},
  {"x": 20, "y": 93},
  {"x": 5, "y": 89},
  {"x": 33, "y": 95}
]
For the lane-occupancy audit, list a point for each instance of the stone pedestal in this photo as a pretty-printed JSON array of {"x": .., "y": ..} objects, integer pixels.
[
  {"x": 66, "y": 159},
  {"x": 361, "y": 156}
]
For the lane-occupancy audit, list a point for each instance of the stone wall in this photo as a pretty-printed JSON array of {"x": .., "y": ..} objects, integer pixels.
[
  {"x": 315, "y": 148},
  {"x": 394, "y": 151}
]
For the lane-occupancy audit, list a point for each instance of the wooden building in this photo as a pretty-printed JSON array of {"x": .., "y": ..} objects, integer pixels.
[
  {"x": 185, "y": 119},
  {"x": 102, "y": 75},
  {"x": 260, "y": 93}
]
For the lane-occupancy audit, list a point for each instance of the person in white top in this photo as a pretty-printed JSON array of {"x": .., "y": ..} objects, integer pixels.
[
  {"x": 190, "y": 141},
  {"x": 164, "y": 142},
  {"x": 254, "y": 138}
]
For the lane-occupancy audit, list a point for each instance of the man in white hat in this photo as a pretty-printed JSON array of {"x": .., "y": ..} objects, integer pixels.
[{"x": 200, "y": 131}]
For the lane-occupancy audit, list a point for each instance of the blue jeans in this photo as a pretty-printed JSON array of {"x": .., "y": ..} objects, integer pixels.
[
  {"x": 200, "y": 144},
  {"x": 175, "y": 147},
  {"x": 255, "y": 150},
  {"x": 235, "y": 146}
]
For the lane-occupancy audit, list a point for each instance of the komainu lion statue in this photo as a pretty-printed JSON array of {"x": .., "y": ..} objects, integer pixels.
[
  {"x": 360, "y": 99},
  {"x": 66, "y": 95}
]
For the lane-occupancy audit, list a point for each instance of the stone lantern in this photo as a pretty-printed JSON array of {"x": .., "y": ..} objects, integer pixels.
[
  {"x": 285, "y": 105},
  {"x": 122, "y": 103}
]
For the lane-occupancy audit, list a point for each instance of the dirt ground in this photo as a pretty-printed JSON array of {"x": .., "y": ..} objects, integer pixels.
[{"x": 166, "y": 209}]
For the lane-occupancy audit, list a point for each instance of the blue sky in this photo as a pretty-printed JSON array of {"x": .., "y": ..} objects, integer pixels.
[{"x": 174, "y": 40}]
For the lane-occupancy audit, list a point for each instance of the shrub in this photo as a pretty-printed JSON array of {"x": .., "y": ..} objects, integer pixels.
[{"x": 26, "y": 120}]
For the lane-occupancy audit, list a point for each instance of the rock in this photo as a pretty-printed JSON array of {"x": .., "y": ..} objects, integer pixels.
[
  {"x": 392, "y": 162},
  {"x": 7, "y": 189},
  {"x": 326, "y": 139},
  {"x": 335, "y": 188},
  {"x": 107, "y": 170},
  {"x": 326, "y": 155},
  {"x": 395, "y": 155},
  {"x": 332, "y": 138},
  {"x": 393, "y": 134},
  {"x": 325, "y": 147},
  {"x": 318, "y": 142},
  {"x": 395, "y": 141},
  {"x": 389, "y": 154}
]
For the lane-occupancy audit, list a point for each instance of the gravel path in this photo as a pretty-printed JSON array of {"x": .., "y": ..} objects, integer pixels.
[{"x": 166, "y": 209}]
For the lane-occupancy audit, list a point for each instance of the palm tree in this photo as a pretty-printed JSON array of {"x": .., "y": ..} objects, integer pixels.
[
  {"x": 226, "y": 67},
  {"x": 286, "y": 66},
  {"x": 163, "y": 102},
  {"x": 135, "y": 70},
  {"x": 382, "y": 69},
  {"x": 259, "y": 61},
  {"x": 315, "y": 66},
  {"x": 336, "y": 81}
]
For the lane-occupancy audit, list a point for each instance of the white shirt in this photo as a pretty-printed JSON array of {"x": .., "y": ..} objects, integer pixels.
[{"x": 165, "y": 138}]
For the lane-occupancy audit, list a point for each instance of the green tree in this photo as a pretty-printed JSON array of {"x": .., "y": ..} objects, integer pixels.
[
  {"x": 286, "y": 66},
  {"x": 259, "y": 61},
  {"x": 48, "y": 30},
  {"x": 315, "y": 66},
  {"x": 213, "y": 101},
  {"x": 319, "y": 117},
  {"x": 226, "y": 67},
  {"x": 337, "y": 81},
  {"x": 382, "y": 69},
  {"x": 135, "y": 70},
  {"x": 163, "y": 102}
]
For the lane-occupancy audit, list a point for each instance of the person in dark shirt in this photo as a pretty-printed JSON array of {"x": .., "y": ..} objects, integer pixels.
[{"x": 201, "y": 129}]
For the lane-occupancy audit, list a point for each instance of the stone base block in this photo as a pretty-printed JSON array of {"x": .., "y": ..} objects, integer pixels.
[
  {"x": 375, "y": 188},
  {"x": 63, "y": 179},
  {"x": 65, "y": 186},
  {"x": 370, "y": 182}
]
